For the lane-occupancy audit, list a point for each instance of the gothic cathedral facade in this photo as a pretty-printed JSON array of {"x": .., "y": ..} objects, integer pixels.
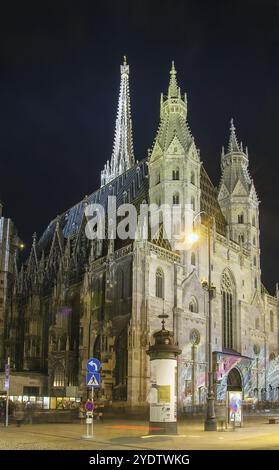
[{"x": 75, "y": 298}]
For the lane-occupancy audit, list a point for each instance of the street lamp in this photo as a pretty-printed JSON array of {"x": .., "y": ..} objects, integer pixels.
[{"x": 210, "y": 423}]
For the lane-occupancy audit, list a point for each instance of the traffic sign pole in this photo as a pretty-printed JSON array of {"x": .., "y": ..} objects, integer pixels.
[
  {"x": 89, "y": 420},
  {"x": 93, "y": 379},
  {"x": 92, "y": 398}
]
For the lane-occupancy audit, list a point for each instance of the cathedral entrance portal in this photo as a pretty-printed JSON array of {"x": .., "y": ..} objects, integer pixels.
[{"x": 234, "y": 382}]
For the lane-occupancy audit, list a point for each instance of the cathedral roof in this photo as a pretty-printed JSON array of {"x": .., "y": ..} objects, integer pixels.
[
  {"x": 209, "y": 202},
  {"x": 174, "y": 125},
  {"x": 132, "y": 186}
]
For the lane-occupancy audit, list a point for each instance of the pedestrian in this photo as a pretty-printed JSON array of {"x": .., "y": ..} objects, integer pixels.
[
  {"x": 81, "y": 413},
  {"x": 29, "y": 412},
  {"x": 2, "y": 411},
  {"x": 19, "y": 414}
]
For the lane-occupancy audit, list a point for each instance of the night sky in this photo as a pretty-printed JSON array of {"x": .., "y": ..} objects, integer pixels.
[{"x": 59, "y": 82}]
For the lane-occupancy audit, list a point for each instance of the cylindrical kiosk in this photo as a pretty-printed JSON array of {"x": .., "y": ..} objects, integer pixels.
[{"x": 163, "y": 382}]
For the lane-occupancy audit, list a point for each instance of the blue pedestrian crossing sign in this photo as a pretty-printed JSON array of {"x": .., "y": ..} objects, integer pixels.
[
  {"x": 93, "y": 365},
  {"x": 93, "y": 379}
]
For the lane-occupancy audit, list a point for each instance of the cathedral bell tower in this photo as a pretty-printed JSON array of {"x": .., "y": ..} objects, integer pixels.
[
  {"x": 239, "y": 202},
  {"x": 174, "y": 163}
]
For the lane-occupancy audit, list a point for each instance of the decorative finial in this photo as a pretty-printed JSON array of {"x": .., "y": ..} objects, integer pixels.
[
  {"x": 124, "y": 60},
  {"x": 173, "y": 88},
  {"x": 163, "y": 316},
  {"x": 173, "y": 71},
  {"x": 34, "y": 236},
  {"x": 233, "y": 143}
]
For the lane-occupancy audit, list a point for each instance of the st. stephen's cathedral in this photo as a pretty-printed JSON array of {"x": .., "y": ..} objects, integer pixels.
[{"x": 75, "y": 298}]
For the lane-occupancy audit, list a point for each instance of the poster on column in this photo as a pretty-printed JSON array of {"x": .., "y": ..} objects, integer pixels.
[
  {"x": 235, "y": 407},
  {"x": 163, "y": 390}
]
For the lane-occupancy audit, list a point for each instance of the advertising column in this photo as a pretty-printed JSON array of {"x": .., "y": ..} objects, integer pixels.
[{"x": 163, "y": 383}]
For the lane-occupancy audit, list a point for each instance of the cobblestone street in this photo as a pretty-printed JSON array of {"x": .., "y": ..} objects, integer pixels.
[{"x": 114, "y": 435}]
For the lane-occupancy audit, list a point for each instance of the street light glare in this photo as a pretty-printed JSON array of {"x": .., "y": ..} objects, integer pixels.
[{"x": 193, "y": 237}]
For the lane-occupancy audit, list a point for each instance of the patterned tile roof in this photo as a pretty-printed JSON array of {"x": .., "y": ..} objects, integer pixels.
[{"x": 131, "y": 186}]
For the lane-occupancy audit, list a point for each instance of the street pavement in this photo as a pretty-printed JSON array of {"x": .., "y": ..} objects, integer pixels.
[{"x": 127, "y": 434}]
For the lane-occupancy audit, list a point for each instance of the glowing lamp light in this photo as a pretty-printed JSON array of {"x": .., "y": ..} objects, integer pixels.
[{"x": 193, "y": 237}]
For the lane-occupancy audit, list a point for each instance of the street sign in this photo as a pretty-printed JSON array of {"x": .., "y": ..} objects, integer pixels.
[
  {"x": 93, "y": 365},
  {"x": 89, "y": 406},
  {"x": 93, "y": 379}
]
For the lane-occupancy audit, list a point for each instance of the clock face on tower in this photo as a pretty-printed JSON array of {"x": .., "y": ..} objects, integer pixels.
[{"x": 195, "y": 337}]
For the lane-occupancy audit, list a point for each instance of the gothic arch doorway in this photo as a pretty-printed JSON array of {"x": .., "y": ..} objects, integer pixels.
[{"x": 234, "y": 381}]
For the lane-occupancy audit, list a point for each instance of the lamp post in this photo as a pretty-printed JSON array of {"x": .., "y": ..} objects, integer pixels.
[{"x": 210, "y": 423}]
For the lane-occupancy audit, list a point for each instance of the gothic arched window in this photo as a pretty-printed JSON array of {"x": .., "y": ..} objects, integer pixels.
[
  {"x": 193, "y": 305},
  {"x": 175, "y": 198},
  {"x": 228, "y": 310},
  {"x": 193, "y": 259},
  {"x": 241, "y": 218},
  {"x": 257, "y": 323},
  {"x": 59, "y": 376},
  {"x": 254, "y": 221},
  {"x": 121, "y": 284},
  {"x": 121, "y": 366},
  {"x": 271, "y": 321},
  {"x": 241, "y": 239},
  {"x": 175, "y": 174},
  {"x": 255, "y": 261},
  {"x": 97, "y": 347},
  {"x": 159, "y": 283},
  {"x": 193, "y": 203},
  {"x": 193, "y": 177}
]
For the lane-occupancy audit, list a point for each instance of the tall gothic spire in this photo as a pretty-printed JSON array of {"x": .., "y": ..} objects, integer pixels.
[
  {"x": 123, "y": 151},
  {"x": 173, "y": 88},
  {"x": 173, "y": 119},
  {"x": 233, "y": 142},
  {"x": 235, "y": 169}
]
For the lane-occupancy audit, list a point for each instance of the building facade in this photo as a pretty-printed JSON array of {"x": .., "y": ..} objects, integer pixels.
[
  {"x": 75, "y": 298},
  {"x": 9, "y": 246}
]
